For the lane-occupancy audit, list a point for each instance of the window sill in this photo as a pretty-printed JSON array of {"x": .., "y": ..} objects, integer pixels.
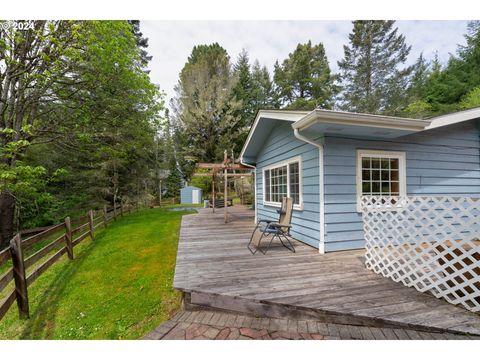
[
  {"x": 381, "y": 208},
  {"x": 278, "y": 205}
]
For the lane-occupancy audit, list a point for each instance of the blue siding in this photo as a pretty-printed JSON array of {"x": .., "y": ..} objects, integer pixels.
[
  {"x": 186, "y": 194},
  {"x": 282, "y": 145},
  {"x": 439, "y": 161}
]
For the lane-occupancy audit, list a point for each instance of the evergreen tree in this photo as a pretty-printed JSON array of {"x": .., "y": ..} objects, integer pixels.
[
  {"x": 243, "y": 90},
  {"x": 264, "y": 94},
  {"x": 447, "y": 87},
  {"x": 304, "y": 80},
  {"x": 254, "y": 89},
  {"x": 371, "y": 73},
  {"x": 418, "y": 81},
  {"x": 417, "y": 107},
  {"x": 204, "y": 109},
  {"x": 142, "y": 43}
]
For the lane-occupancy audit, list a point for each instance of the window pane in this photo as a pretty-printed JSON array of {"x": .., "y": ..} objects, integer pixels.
[
  {"x": 394, "y": 175},
  {"x": 365, "y": 174},
  {"x": 385, "y": 175},
  {"x": 366, "y": 188},
  {"x": 385, "y": 164},
  {"x": 295, "y": 182},
  {"x": 366, "y": 163},
  {"x": 375, "y": 163},
  {"x": 395, "y": 187},
  {"x": 376, "y": 187},
  {"x": 385, "y": 188},
  {"x": 394, "y": 164},
  {"x": 375, "y": 174}
]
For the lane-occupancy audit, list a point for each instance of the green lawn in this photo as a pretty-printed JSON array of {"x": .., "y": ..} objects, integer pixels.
[{"x": 118, "y": 287}]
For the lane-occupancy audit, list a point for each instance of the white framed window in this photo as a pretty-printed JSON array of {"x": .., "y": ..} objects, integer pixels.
[
  {"x": 380, "y": 173},
  {"x": 283, "y": 179}
]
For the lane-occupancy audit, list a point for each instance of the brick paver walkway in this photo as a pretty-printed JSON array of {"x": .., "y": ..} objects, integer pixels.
[{"x": 218, "y": 325}]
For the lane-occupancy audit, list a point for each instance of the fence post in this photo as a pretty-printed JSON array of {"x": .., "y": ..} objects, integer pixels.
[
  {"x": 90, "y": 223},
  {"x": 68, "y": 237},
  {"x": 121, "y": 209},
  {"x": 115, "y": 211},
  {"x": 21, "y": 292},
  {"x": 105, "y": 216}
]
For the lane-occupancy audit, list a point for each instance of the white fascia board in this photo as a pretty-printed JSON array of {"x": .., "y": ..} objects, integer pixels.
[
  {"x": 356, "y": 119},
  {"x": 450, "y": 119},
  {"x": 286, "y": 115}
]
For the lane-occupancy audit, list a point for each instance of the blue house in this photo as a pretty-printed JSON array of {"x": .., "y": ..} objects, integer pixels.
[
  {"x": 190, "y": 195},
  {"x": 326, "y": 160}
]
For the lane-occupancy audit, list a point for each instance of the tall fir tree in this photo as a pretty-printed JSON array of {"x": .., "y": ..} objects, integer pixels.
[
  {"x": 244, "y": 88},
  {"x": 373, "y": 76},
  {"x": 417, "y": 107},
  {"x": 263, "y": 89},
  {"x": 142, "y": 43},
  {"x": 204, "y": 109},
  {"x": 304, "y": 80},
  {"x": 254, "y": 89}
]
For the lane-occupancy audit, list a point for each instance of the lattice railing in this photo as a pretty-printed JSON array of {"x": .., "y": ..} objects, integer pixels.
[{"x": 429, "y": 243}]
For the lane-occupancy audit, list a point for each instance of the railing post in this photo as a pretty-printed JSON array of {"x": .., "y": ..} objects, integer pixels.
[
  {"x": 90, "y": 224},
  {"x": 68, "y": 237},
  {"x": 19, "y": 276},
  {"x": 105, "y": 216}
]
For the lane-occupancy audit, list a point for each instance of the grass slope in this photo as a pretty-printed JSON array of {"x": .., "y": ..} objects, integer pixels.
[{"x": 118, "y": 287}]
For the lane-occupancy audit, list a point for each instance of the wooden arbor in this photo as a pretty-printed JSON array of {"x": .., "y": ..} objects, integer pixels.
[{"x": 216, "y": 170}]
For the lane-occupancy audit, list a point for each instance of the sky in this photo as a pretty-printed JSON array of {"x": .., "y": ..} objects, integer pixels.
[{"x": 171, "y": 42}]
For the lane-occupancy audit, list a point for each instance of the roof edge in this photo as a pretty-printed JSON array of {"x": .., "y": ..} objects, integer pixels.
[
  {"x": 454, "y": 118},
  {"x": 283, "y": 115},
  {"x": 359, "y": 119}
]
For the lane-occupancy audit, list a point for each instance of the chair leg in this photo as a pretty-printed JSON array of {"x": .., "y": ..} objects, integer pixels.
[
  {"x": 290, "y": 247},
  {"x": 268, "y": 247}
]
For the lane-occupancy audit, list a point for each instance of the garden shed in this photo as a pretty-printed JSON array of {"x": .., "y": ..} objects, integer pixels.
[{"x": 190, "y": 195}]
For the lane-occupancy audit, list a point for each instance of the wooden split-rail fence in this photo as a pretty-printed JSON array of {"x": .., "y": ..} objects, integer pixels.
[{"x": 61, "y": 238}]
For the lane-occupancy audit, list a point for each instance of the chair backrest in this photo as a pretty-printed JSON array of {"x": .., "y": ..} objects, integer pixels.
[{"x": 286, "y": 212}]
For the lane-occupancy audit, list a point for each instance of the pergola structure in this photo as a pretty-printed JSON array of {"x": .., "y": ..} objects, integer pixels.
[{"x": 219, "y": 169}]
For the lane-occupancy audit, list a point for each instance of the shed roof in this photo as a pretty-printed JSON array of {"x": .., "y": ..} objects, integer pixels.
[{"x": 191, "y": 187}]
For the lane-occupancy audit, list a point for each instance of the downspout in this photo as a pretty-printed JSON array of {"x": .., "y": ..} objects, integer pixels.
[
  {"x": 321, "y": 245},
  {"x": 255, "y": 184}
]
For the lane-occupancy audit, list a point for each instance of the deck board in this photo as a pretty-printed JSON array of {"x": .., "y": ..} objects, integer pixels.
[{"x": 213, "y": 259}]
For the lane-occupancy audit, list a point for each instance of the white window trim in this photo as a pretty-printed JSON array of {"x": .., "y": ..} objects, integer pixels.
[
  {"x": 300, "y": 180},
  {"x": 402, "y": 175}
]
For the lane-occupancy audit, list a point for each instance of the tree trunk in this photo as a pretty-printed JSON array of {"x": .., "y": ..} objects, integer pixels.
[{"x": 7, "y": 217}]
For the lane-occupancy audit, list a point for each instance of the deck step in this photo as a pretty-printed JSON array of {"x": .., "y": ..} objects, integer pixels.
[{"x": 276, "y": 310}]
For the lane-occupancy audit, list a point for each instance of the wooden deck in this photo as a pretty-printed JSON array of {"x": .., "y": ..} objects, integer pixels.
[{"x": 214, "y": 268}]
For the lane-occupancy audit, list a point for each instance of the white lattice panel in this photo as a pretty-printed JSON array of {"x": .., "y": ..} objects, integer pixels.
[{"x": 429, "y": 243}]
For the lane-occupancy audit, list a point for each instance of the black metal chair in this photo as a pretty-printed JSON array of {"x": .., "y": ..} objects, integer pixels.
[{"x": 269, "y": 229}]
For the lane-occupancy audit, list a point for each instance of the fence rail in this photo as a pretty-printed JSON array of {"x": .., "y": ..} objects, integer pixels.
[
  {"x": 62, "y": 238},
  {"x": 429, "y": 243}
]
